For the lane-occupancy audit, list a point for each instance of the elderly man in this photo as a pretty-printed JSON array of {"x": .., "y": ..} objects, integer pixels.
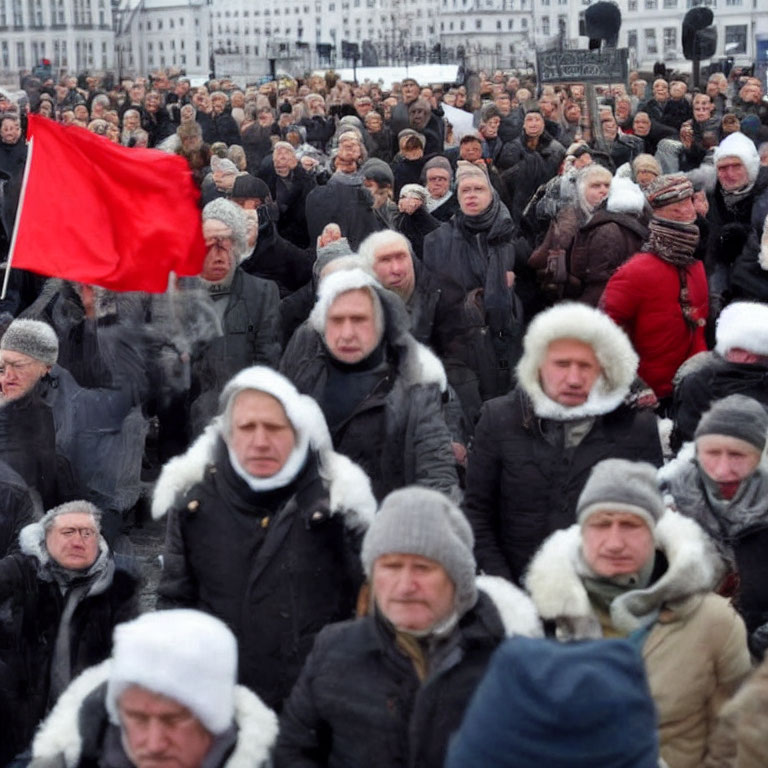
[
  {"x": 246, "y": 306},
  {"x": 168, "y": 696},
  {"x": 738, "y": 206},
  {"x": 423, "y": 120},
  {"x": 61, "y": 596},
  {"x": 659, "y": 296},
  {"x": 391, "y": 688},
  {"x": 535, "y": 446},
  {"x": 380, "y": 390},
  {"x": 438, "y": 176},
  {"x": 630, "y": 568},
  {"x": 723, "y": 484},
  {"x": 264, "y": 521}
]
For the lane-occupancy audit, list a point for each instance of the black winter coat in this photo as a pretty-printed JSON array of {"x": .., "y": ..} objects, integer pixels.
[
  {"x": 30, "y": 612},
  {"x": 359, "y": 702},
  {"x": 16, "y": 509},
  {"x": 275, "y": 566},
  {"x": 276, "y": 259},
  {"x": 521, "y": 487},
  {"x": 291, "y": 203}
]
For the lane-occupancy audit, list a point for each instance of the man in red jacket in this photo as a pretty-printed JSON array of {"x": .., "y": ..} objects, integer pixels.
[{"x": 660, "y": 295}]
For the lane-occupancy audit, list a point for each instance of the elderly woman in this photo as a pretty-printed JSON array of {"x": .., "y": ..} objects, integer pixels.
[
  {"x": 473, "y": 256},
  {"x": 412, "y": 218},
  {"x": 60, "y": 598}
]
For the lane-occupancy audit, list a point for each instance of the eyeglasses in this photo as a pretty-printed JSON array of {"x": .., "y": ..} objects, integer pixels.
[
  {"x": 18, "y": 366},
  {"x": 85, "y": 533}
]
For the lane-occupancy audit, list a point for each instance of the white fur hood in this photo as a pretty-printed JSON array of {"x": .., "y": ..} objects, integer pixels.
[
  {"x": 348, "y": 485},
  {"x": 611, "y": 345},
  {"x": 625, "y": 196},
  {"x": 516, "y": 610},
  {"x": 554, "y": 582},
  {"x": 60, "y": 734},
  {"x": 744, "y": 324}
]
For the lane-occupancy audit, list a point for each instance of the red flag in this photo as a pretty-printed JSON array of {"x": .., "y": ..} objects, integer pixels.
[{"x": 95, "y": 212}]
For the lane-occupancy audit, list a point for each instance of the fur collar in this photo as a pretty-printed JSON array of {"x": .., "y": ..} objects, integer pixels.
[
  {"x": 625, "y": 197},
  {"x": 558, "y": 592},
  {"x": 516, "y": 610},
  {"x": 612, "y": 347},
  {"x": 744, "y": 324},
  {"x": 349, "y": 487},
  {"x": 60, "y": 733}
]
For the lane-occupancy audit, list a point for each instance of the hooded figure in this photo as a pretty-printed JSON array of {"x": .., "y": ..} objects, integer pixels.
[
  {"x": 535, "y": 446},
  {"x": 390, "y": 688},
  {"x": 61, "y": 596},
  {"x": 264, "y": 527},
  {"x": 380, "y": 390},
  {"x": 630, "y": 568}
]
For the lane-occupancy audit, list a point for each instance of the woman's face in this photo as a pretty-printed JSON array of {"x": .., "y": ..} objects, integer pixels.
[{"x": 474, "y": 195}]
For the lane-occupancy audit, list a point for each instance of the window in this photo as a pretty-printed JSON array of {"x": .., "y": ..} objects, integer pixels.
[
  {"x": 651, "y": 5},
  {"x": 461, "y": 25},
  {"x": 21, "y": 59},
  {"x": 670, "y": 3},
  {"x": 171, "y": 23},
  {"x": 733, "y": 2},
  {"x": 736, "y": 36},
  {"x": 524, "y": 23},
  {"x": 545, "y": 26},
  {"x": 4, "y": 54},
  {"x": 650, "y": 42},
  {"x": 632, "y": 38},
  {"x": 478, "y": 23},
  {"x": 498, "y": 25},
  {"x": 631, "y": 5},
  {"x": 670, "y": 41}
]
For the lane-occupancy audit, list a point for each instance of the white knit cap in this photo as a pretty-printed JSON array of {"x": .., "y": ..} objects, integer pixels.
[
  {"x": 740, "y": 146},
  {"x": 185, "y": 655}
]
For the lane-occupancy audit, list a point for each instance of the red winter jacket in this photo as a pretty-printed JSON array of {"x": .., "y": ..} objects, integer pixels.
[{"x": 643, "y": 297}]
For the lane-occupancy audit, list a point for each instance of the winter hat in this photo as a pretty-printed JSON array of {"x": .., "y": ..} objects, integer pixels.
[
  {"x": 488, "y": 111},
  {"x": 222, "y": 164},
  {"x": 645, "y": 162},
  {"x": 328, "y": 253},
  {"x": 379, "y": 171},
  {"x": 248, "y": 186},
  {"x": 465, "y": 170},
  {"x": 186, "y": 655},
  {"x": 33, "y": 338},
  {"x": 739, "y": 146},
  {"x": 410, "y": 132},
  {"x": 414, "y": 190},
  {"x": 560, "y": 705},
  {"x": 736, "y": 416},
  {"x": 743, "y": 324},
  {"x": 307, "y": 420},
  {"x": 437, "y": 162},
  {"x": 420, "y": 521},
  {"x": 619, "y": 485},
  {"x": 334, "y": 285},
  {"x": 668, "y": 189}
]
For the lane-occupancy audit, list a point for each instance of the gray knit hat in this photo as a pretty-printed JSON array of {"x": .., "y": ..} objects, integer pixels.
[
  {"x": 736, "y": 416},
  {"x": 437, "y": 162},
  {"x": 378, "y": 171},
  {"x": 33, "y": 338},
  {"x": 619, "y": 485},
  {"x": 420, "y": 521}
]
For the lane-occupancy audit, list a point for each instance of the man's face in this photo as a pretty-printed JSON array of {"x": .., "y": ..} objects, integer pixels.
[
  {"x": 19, "y": 373},
  {"x": 732, "y": 174},
  {"x": 474, "y": 195},
  {"x": 702, "y": 107},
  {"x": 363, "y": 107},
  {"x": 577, "y": 92},
  {"x": 393, "y": 266},
  {"x": 261, "y": 437},
  {"x": 727, "y": 460},
  {"x": 218, "y": 103},
  {"x": 373, "y": 122},
  {"x": 413, "y": 592},
  {"x": 219, "y": 259},
  {"x": 158, "y": 731},
  {"x": 610, "y": 128},
  {"x": 316, "y": 107},
  {"x": 137, "y": 94},
  {"x": 265, "y": 118},
  {"x": 569, "y": 371},
  {"x": 638, "y": 89},
  {"x": 616, "y": 543},
  {"x": 750, "y": 93},
  {"x": 682, "y": 211},
  {"x": 410, "y": 91},
  {"x": 677, "y": 89},
  {"x": 81, "y": 112},
  {"x": 547, "y": 107},
  {"x": 348, "y": 155},
  {"x": 438, "y": 182},
  {"x": 573, "y": 113},
  {"x": 284, "y": 160},
  {"x": 623, "y": 110},
  {"x": 471, "y": 151},
  {"x": 418, "y": 115},
  {"x": 350, "y": 327},
  {"x": 503, "y": 103},
  {"x": 131, "y": 121},
  {"x": 10, "y": 131},
  {"x": 490, "y": 128},
  {"x": 641, "y": 124},
  {"x": 152, "y": 102},
  {"x": 660, "y": 90},
  {"x": 73, "y": 541},
  {"x": 533, "y": 125}
]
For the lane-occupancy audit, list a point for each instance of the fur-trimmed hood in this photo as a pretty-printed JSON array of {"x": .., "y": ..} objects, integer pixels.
[
  {"x": 516, "y": 610},
  {"x": 625, "y": 196},
  {"x": 554, "y": 578},
  {"x": 61, "y": 732},
  {"x": 740, "y": 146},
  {"x": 612, "y": 348},
  {"x": 743, "y": 324}
]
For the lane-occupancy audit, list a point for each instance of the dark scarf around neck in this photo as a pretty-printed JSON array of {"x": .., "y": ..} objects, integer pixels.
[{"x": 673, "y": 241}]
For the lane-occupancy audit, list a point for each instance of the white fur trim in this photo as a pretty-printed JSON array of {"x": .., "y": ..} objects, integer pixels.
[
  {"x": 665, "y": 427},
  {"x": 738, "y": 145},
  {"x": 743, "y": 324},
  {"x": 31, "y": 538},
  {"x": 332, "y": 286},
  {"x": 59, "y": 733},
  {"x": 516, "y": 609},
  {"x": 762, "y": 257},
  {"x": 422, "y": 366},
  {"x": 672, "y": 468},
  {"x": 591, "y": 326},
  {"x": 625, "y": 196},
  {"x": 350, "y": 490}
]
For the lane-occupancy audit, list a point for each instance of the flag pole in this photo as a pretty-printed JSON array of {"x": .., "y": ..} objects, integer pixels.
[{"x": 7, "y": 275}]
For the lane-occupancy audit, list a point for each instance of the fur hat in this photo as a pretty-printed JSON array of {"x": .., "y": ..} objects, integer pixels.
[
  {"x": 420, "y": 521},
  {"x": 487, "y": 111},
  {"x": 33, "y": 338},
  {"x": 378, "y": 171},
  {"x": 414, "y": 190},
  {"x": 645, "y": 162},
  {"x": 232, "y": 215},
  {"x": 333, "y": 286},
  {"x": 743, "y": 324},
  {"x": 738, "y": 145},
  {"x": 736, "y": 416},
  {"x": 222, "y": 164},
  {"x": 185, "y": 655},
  {"x": 619, "y": 485},
  {"x": 668, "y": 189}
]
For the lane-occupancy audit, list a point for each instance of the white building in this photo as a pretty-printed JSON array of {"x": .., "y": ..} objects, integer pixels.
[
  {"x": 75, "y": 35},
  {"x": 163, "y": 34}
]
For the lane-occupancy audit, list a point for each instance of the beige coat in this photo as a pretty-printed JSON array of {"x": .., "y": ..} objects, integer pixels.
[{"x": 696, "y": 653}]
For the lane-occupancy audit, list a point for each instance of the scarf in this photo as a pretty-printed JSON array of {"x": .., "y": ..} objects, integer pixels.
[
  {"x": 433, "y": 203},
  {"x": 348, "y": 179},
  {"x": 733, "y": 198},
  {"x": 672, "y": 241},
  {"x": 492, "y": 256}
]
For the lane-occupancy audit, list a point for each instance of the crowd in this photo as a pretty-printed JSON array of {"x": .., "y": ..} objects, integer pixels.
[{"x": 459, "y": 435}]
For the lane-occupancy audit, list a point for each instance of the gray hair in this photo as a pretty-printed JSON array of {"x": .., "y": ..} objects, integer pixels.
[
  {"x": 586, "y": 173},
  {"x": 81, "y": 506},
  {"x": 232, "y": 215},
  {"x": 101, "y": 100},
  {"x": 367, "y": 249}
]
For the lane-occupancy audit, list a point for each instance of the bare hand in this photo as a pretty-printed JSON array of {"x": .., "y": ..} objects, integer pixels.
[{"x": 330, "y": 234}]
